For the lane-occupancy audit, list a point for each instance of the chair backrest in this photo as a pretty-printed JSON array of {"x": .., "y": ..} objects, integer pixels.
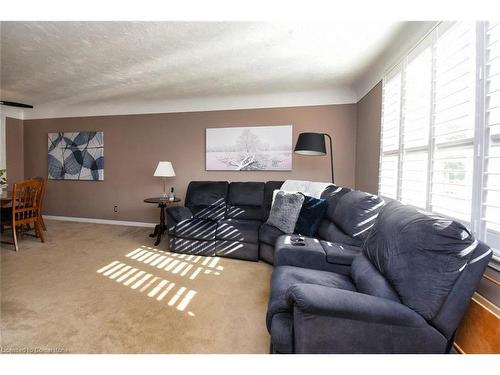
[
  {"x": 26, "y": 199},
  {"x": 44, "y": 186}
]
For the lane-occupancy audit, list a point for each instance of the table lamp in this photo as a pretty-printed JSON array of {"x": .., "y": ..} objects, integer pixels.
[{"x": 164, "y": 170}]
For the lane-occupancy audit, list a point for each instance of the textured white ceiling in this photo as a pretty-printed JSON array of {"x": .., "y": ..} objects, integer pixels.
[{"x": 90, "y": 64}]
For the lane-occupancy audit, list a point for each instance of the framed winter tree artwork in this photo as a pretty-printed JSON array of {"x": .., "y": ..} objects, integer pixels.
[
  {"x": 254, "y": 148},
  {"x": 76, "y": 156}
]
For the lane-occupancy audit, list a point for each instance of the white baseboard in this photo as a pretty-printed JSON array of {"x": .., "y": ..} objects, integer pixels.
[{"x": 100, "y": 221}]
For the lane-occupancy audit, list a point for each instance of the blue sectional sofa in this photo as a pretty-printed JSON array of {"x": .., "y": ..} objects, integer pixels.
[
  {"x": 228, "y": 219},
  {"x": 406, "y": 292},
  {"x": 377, "y": 277}
]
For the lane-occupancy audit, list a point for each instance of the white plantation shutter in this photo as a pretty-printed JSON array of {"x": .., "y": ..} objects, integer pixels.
[
  {"x": 454, "y": 121},
  {"x": 416, "y": 125},
  {"x": 440, "y": 141},
  {"x": 491, "y": 182},
  {"x": 391, "y": 117}
]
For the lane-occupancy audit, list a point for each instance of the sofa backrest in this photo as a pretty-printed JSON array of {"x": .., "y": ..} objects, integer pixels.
[
  {"x": 216, "y": 200},
  {"x": 207, "y": 199},
  {"x": 433, "y": 263},
  {"x": 349, "y": 216},
  {"x": 245, "y": 201},
  {"x": 357, "y": 212},
  {"x": 333, "y": 194}
]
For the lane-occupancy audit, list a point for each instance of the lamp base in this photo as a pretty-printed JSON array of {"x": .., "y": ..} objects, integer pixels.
[{"x": 164, "y": 195}]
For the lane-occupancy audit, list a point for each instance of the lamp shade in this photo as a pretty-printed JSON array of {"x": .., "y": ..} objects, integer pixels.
[
  {"x": 310, "y": 144},
  {"x": 164, "y": 169}
]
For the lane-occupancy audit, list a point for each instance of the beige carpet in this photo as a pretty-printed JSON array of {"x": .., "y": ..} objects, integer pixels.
[{"x": 94, "y": 288}]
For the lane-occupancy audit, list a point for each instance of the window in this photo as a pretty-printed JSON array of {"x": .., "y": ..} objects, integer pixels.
[
  {"x": 454, "y": 121},
  {"x": 416, "y": 125},
  {"x": 440, "y": 141},
  {"x": 491, "y": 191},
  {"x": 391, "y": 108}
]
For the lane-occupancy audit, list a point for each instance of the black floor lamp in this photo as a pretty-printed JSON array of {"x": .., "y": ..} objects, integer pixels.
[{"x": 314, "y": 144}]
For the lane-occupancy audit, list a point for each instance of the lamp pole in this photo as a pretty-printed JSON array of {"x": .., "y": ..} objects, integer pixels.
[{"x": 331, "y": 155}]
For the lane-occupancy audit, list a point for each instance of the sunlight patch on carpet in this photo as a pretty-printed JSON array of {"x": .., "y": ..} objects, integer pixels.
[
  {"x": 149, "y": 284},
  {"x": 154, "y": 286},
  {"x": 177, "y": 264}
]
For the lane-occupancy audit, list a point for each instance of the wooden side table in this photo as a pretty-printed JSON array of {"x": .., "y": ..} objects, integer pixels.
[
  {"x": 162, "y": 205},
  {"x": 5, "y": 197}
]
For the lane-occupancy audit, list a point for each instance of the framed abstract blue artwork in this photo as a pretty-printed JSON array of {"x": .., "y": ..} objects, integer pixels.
[{"x": 76, "y": 156}]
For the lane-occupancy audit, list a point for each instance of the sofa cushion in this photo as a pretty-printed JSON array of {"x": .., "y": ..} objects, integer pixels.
[
  {"x": 286, "y": 276},
  {"x": 237, "y": 250},
  {"x": 356, "y": 213},
  {"x": 269, "y": 234},
  {"x": 196, "y": 229},
  {"x": 179, "y": 213},
  {"x": 310, "y": 216},
  {"x": 333, "y": 194},
  {"x": 421, "y": 254},
  {"x": 207, "y": 199},
  {"x": 285, "y": 211},
  {"x": 245, "y": 212},
  {"x": 246, "y": 194},
  {"x": 213, "y": 212},
  {"x": 340, "y": 253},
  {"x": 328, "y": 231},
  {"x": 370, "y": 281},
  {"x": 238, "y": 230},
  {"x": 189, "y": 246}
]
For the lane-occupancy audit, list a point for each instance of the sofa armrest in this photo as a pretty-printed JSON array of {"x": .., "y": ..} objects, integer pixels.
[
  {"x": 330, "y": 320},
  {"x": 288, "y": 255},
  {"x": 327, "y": 301},
  {"x": 178, "y": 214},
  {"x": 312, "y": 255}
]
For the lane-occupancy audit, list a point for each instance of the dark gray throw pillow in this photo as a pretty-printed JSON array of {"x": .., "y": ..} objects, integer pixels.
[{"x": 285, "y": 211}]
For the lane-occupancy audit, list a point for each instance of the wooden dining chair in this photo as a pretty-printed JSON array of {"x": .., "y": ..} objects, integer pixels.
[
  {"x": 40, "y": 210},
  {"x": 26, "y": 199}
]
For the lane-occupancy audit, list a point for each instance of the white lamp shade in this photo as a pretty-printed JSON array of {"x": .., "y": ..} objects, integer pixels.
[{"x": 164, "y": 169}]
